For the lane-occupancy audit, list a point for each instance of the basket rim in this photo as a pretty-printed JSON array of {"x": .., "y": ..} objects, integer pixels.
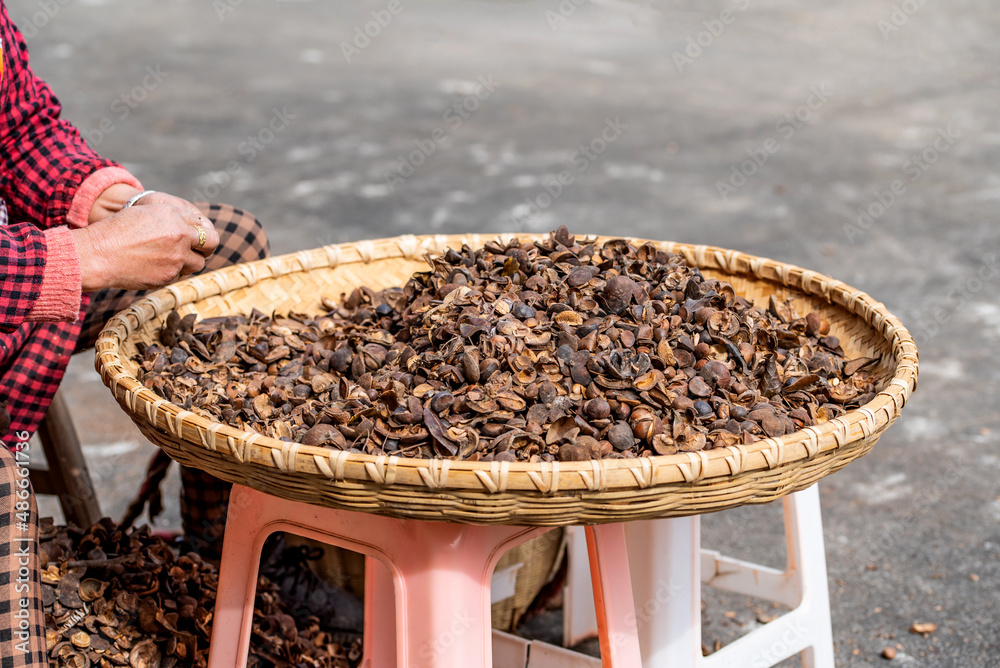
[{"x": 438, "y": 475}]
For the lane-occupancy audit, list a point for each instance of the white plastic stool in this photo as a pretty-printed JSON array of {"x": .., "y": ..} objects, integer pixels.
[{"x": 667, "y": 568}]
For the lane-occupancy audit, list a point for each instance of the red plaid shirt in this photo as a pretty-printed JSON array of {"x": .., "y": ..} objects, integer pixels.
[{"x": 43, "y": 161}]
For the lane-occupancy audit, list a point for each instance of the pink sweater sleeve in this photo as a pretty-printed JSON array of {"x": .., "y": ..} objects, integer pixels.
[
  {"x": 62, "y": 283},
  {"x": 91, "y": 189},
  {"x": 59, "y": 298}
]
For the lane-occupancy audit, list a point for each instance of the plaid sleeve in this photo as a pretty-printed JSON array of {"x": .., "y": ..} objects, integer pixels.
[
  {"x": 43, "y": 159},
  {"x": 22, "y": 266}
]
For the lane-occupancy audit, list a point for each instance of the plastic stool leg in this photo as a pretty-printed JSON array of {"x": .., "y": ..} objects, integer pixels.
[
  {"x": 613, "y": 596},
  {"x": 442, "y": 574},
  {"x": 379, "y": 643},
  {"x": 665, "y": 576},
  {"x": 806, "y": 629},
  {"x": 665, "y": 564},
  {"x": 579, "y": 615},
  {"x": 244, "y": 538},
  {"x": 804, "y": 529}
]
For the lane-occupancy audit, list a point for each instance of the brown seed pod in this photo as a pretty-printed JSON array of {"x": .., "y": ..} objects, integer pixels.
[
  {"x": 91, "y": 589},
  {"x": 569, "y": 318},
  {"x": 618, "y": 293},
  {"x": 645, "y": 424},
  {"x": 522, "y": 335},
  {"x": 664, "y": 445},
  {"x": 581, "y": 276},
  {"x": 591, "y": 445},
  {"x": 470, "y": 367},
  {"x": 620, "y": 436},
  {"x": 723, "y": 323},
  {"x": 716, "y": 374},
  {"x": 597, "y": 409},
  {"x": 324, "y": 435},
  {"x": 574, "y": 452},
  {"x": 697, "y": 387},
  {"x": 144, "y": 654},
  {"x": 68, "y": 590}
]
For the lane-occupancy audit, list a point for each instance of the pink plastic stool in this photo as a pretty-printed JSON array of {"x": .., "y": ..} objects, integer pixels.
[{"x": 441, "y": 576}]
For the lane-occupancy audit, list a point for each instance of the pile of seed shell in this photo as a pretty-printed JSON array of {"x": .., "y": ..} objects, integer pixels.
[
  {"x": 115, "y": 598},
  {"x": 564, "y": 349}
]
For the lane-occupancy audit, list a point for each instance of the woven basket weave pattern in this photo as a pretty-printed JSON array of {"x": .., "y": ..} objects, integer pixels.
[{"x": 548, "y": 493}]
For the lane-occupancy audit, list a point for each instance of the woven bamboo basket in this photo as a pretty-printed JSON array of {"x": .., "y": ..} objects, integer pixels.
[
  {"x": 537, "y": 561},
  {"x": 545, "y": 494}
]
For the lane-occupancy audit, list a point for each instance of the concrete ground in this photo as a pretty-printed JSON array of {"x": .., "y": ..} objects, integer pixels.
[{"x": 859, "y": 139}]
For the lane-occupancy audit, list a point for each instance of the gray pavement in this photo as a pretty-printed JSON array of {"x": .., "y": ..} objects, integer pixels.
[{"x": 841, "y": 108}]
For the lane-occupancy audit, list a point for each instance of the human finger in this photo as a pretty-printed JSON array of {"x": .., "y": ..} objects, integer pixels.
[
  {"x": 169, "y": 200},
  {"x": 205, "y": 238},
  {"x": 191, "y": 213},
  {"x": 193, "y": 263}
]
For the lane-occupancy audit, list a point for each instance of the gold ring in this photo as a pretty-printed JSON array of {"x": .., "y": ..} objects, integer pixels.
[{"x": 202, "y": 237}]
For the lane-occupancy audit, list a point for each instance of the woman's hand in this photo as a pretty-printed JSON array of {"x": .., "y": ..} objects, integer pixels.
[
  {"x": 148, "y": 245},
  {"x": 111, "y": 201}
]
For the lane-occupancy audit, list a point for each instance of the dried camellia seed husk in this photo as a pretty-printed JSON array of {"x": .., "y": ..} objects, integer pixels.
[
  {"x": 618, "y": 293},
  {"x": 68, "y": 590},
  {"x": 512, "y": 351},
  {"x": 91, "y": 589},
  {"x": 149, "y": 606},
  {"x": 145, "y": 654}
]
